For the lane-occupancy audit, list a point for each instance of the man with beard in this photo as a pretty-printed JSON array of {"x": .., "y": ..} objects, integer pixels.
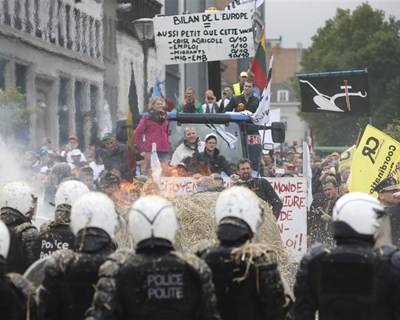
[
  {"x": 115, "y": 156},
  {"x": 261, "y": 187},
  {"x": 190, "y": 145},
  {"x": 17, "y": 207}
]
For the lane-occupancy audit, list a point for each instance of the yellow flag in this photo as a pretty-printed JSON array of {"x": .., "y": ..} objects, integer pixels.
[
  {"x": 345, "y": 158},
  {"x": 375, "y": 158}
]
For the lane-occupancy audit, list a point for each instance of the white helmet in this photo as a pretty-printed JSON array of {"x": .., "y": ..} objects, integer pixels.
[
  {"x": 4, "y": 240},
  {"x": 69, "y": 191},
  {"x": 360, "y": 211},
  {"x": 153, "y": 217},
  {"x": 239, "y": 202},
  {"x": 94, "y": 209},
  {"x": 19, "y": 196}
]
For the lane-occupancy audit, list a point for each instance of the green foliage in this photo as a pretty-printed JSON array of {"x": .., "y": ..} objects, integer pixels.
[
  {"x": 14, "y": 115},
  {"x": 357, "y": 40},
  {"x": 393, "y": 129}
]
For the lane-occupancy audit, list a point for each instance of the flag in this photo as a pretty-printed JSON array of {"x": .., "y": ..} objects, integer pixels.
[
  {"x": 261, "y": 116},
  {"x": 156, "y": 89},
  {"x": 374, "y": 159},
  {"x": 244, "y": 4},
  {"x": 307, "y": 173},
  {"x": 342, "y": 91},
  {"x": 259, "y": 66},
  {"x": 133, "y": 118}
]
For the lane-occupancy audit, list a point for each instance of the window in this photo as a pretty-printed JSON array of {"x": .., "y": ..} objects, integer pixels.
[
  {"x": 3, "y": 64},
  {"x": 283, "y": 95}
]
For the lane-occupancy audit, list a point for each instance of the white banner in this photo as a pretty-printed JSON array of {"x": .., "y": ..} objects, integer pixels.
[
  {"x": 244, "y": 4},
  {"x": 177, "y": 186},
  {"x": 292, "y": 221},
  {"x": 203, "y": 37}
]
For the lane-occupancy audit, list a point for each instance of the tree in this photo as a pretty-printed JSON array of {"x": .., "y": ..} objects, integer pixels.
[
  {"x": 14, "y": 115},
  {"x": 350, "y": 41}
]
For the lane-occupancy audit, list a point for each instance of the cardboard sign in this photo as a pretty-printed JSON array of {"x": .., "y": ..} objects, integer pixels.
[
  {"x": 292, "y": 220},
  {"x": 203, "y": 37},
  {"x": 374, "y": 159},
  {"x": 177, "y": 186}
]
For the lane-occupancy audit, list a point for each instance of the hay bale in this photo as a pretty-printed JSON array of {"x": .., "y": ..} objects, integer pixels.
[{"x": 196, "y": 218}]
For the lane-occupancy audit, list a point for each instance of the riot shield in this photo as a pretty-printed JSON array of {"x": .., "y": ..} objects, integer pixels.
[{"x": 35, "y": 273}]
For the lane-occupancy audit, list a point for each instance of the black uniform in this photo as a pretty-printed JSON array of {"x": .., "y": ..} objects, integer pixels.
[
  {"x": 55, "y": 237},
  {"x": 350, "y": 281},
  {"x": 23, "y": 240},
  {"x": 68, "y": 286},
  {"x": 394, "y": 213},
  {"x": 155, "y": 283},
  {"x": 247, "y": 287},
  {"x": 263, "y": 189},
  {"x": 16, "y": 296}
]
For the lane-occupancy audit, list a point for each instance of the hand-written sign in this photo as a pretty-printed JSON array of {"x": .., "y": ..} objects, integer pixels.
[
  {"x": 292, "y": 221},
  {"x": 204, "y": 37},
  {"x": 177, "y": 186}
]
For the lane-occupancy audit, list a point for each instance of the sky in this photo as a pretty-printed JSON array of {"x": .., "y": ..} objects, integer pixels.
[{"x": 298, "y": 20}]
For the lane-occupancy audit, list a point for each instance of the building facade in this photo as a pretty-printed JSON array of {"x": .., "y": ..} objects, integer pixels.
[{"x": 52, "y": 50}]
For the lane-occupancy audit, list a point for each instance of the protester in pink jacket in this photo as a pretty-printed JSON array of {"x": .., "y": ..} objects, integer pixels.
[{"x": 154, "y": 128}]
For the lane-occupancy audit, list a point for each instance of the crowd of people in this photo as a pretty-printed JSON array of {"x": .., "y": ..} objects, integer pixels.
[{"x": 75, "y": 269}]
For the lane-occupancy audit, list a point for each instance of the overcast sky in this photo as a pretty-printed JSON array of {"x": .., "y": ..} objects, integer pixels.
[{"x": 298, "y": 20}]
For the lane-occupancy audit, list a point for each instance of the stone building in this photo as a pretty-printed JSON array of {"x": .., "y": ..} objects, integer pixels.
[{"x": 53, "y": 51}]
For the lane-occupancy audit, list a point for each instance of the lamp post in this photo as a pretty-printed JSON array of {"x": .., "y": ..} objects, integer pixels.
[{"x": 145, "y": 33}]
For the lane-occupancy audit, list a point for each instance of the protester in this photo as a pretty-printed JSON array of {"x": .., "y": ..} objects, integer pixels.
[
  {"x": 190, "y": 145},
  {"x": 57, "y": 235},
  {"x": 227, "y": 95},
  {"x": 248, "y": 286},
  {"x": 239, "y": 86},
  {"x": 248, "y": 102},
  {"x": 155, "y": 282},
  {"x": 210, "y": 103},
  {"x": 352, "y": 280},
  {"x": 17, "y": 207},
  {"x": 320, "y": 216},
  {"x": 261, "y": 187},
  {"x": 73, "y": 143},
  {"x": 115, "y": 156},
  {"x": 17, "y": 300},
  {"x": 69, "y": 278},
  {"x": 212, "y": 158},
  {"x": 153, "y": 128},
  {"x": 86, "y": 176},
  {"x": 190, "y": 103}
]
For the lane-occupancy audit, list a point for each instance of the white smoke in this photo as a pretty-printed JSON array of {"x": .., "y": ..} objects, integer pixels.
[{"x": 15, "y": 166}]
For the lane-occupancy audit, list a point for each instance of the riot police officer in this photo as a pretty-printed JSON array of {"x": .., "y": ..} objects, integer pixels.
[
  {"x": 58, "y": 235},
  {"x": 246, "y": 277},
  {"x": 156, "y": 282},
  {"x": 17, "y": 207},
  {"x": 70, "y": 277},
  {"x": 352, "y": 280},
  {"x": 16, "y": 293}
]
